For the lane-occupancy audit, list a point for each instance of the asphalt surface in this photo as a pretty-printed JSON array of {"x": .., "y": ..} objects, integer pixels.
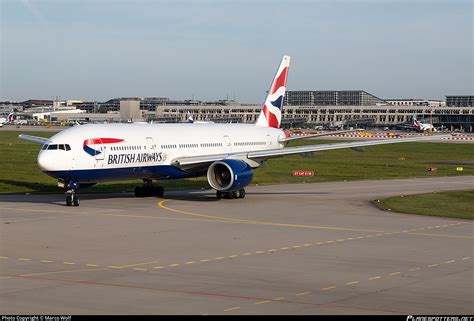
[{"x": 287, "y": 249}]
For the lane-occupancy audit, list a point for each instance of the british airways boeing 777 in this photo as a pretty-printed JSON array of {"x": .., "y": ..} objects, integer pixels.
[{"x": 226, "y": 153}]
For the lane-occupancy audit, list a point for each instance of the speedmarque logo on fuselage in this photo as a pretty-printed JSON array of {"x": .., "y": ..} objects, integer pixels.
[{"x": 98, "y": 141}]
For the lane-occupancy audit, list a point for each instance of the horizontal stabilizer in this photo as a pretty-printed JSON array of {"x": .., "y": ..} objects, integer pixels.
[{"x": 288, "y": 139}]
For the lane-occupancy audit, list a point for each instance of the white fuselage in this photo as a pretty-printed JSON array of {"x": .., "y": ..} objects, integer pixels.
[{"x": 101, "y": 152}]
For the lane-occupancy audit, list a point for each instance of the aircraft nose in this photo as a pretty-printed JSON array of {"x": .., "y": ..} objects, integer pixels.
[{"x": 45, "y": 162}]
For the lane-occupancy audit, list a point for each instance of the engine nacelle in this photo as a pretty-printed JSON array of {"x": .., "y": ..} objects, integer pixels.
[{"x": 229, "y": 175}]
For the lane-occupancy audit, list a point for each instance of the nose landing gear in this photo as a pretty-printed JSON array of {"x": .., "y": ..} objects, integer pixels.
[{"x": 71, "y": 197}]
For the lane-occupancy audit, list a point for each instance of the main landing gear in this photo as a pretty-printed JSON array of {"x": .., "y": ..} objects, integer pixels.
[
  {"x": 231, "y": 195},
  {"x": 149, "y": 189}
]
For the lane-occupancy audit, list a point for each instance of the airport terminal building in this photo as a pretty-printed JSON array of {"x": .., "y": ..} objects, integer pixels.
[
  {"x": 331, "y": 109},
  {"x": 305, "y": 109}
]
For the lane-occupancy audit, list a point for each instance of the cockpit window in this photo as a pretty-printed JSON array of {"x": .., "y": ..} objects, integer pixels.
[
  {"x": 45, "y": 147},
  {"x": 65, "y": 147}
]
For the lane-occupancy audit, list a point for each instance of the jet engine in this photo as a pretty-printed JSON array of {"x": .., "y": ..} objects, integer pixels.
[{"x": 229, "y": 175}]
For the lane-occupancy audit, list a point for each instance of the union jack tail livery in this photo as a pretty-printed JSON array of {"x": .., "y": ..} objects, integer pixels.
[{"x": 270, "y": 116}]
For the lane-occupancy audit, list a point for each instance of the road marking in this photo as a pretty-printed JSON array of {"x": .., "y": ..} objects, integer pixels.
[
  {"x": 241, "y": 221},
  {"x": 140, "y": 269},
  {"x": 3, "y": 257},
  {"x": 375, "y": 278},
  {"x": 302, "y": 293},
  {"x": 46, "y": 261},
  {"x": 232, "y": 256},
  {"x": 138, "y": 264},
  {"x": 283, "y": 248},
  {"x": 354, "y": 282},
  {"x": 158, "y": 267},
  {"x": 69, "y": 263},
  {"x": 262, "y": 302},
  {"x": 447, "y": 262},
  {"x": 63, "y": 271},
  {"x": 414, "y": 269},
  {"x": 247, "y": 254},
  {"x": 443, "y": 235},
  {"x": 230, "y": 309},
  {"x": 23, "y": 259},
  {"x": 278, "y": 299},
  {"x": 259, "y": 252},
  {"x": 114, "y": 267},
  {"x": 296, "y": 246},
  {"x": 395, "y": 273},
  {"x": 466, "y": 258},
  {"x": 176, "y": 264},
  {"x": 307, "y": 244},
  {"x": 219, "y": 258},
  {"x": 95, "y": 265},
  {"x": 205, "y": 260},
  {"x": 190, "y": 262},
  {"x": 433, "y": 265},
  {"x": 328, "y": 288},
  {"x": 327, "y": 242}
]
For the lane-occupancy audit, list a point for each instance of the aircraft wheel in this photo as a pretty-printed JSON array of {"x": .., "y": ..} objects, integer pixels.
[
  {"x": 68, "y": 199},
  {"x": 242, "y": 193},
  {"x": 219, "y": 195},
  {"x": 75, "y": 200},
  {"x": 234, "y": 194},
  {"x": 159, "y": 191},
  {"x": 139, "y": 191}
]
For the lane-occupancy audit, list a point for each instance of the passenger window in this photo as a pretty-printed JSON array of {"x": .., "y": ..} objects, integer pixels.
[
  {"x": 68, "y": 148},
  {"x": 61, "y": 147}
]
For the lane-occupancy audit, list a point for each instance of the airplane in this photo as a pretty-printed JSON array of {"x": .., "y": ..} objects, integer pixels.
[
  {"x": 421, "y": 127},
  {"x": 8, "y": 119},
  {"x": 227, "y": 154}
]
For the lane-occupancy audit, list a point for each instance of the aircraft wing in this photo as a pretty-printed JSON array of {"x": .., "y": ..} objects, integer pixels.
[
  {"x": 34, "y": 139},
  {"x": 255, "y": 157},
  {"x": 287, "y": 139}
]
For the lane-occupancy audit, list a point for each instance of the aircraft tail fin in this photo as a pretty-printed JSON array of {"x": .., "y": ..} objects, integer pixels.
[
  {"x": 416, "y": 123},
  {"x": 10, "y": 116},
  {"x": 270, "y": 116}
]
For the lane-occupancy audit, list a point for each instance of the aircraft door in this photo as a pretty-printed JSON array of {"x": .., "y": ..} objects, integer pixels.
[
  {"x": 99, "y": 150},
  {"x": 269, "y": 140},
  {"x": 150, "y": 147},
  {"x": 227, "y": 144}
]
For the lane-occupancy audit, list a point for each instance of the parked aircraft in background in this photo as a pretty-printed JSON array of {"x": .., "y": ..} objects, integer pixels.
[
  {"x": 422, "y": 126},
  {"x": 8, "y": 119}
]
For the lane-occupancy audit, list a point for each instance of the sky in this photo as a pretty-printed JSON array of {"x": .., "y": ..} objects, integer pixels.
[{"x": 210, "y": 50}]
